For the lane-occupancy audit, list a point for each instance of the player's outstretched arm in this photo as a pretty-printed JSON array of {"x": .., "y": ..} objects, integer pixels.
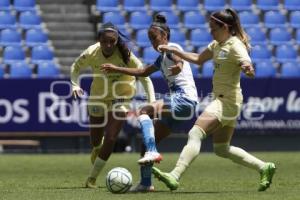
[
  {"x": 198, "y": 59},
  {"x": 146, "y": 71}
]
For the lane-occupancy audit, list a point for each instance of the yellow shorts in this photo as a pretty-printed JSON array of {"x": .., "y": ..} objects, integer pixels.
[
  {"x": 225, "y": 110},
  {"x": 100, "y": 108}
]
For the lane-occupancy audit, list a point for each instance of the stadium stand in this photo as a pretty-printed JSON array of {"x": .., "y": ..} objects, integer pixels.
[
  {"x": 35, "y": 37},
  {"x": 24, "y": 5},
  {"x": 5, "y": 5},
  {"x": 29, "y": 19},
  {"x": 241, "y": 5},
  {"x": 20, "y": 70},
  {"x": 290, "y": 69},
  {"x": 68, "y": 27},
  {"x": 207, "y": 69},
  {"x": 10, "y": 37},
  {"x": 187, "y": 5},
  {"x": 47, "y": 69},
  {"x": 161, "y": 5},
  {"x": 264, "y": 69}
]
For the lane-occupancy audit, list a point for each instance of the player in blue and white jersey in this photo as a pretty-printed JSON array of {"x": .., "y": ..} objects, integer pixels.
[{"x": 179, "y": 105}]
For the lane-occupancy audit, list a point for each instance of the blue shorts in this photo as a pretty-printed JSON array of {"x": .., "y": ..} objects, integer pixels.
[{"x": 181, "y": 108}]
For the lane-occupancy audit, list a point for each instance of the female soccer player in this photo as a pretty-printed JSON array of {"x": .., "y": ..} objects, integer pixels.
[
  {"x": 229, "y": 51},
  {"x": 179, "y": 105},
  {"x": 110, "y": 94}
]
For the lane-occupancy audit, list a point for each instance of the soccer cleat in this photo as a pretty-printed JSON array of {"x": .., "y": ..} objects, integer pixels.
[
  {"x": 91, "y": 183},
  {"x": 167, "y": 178},
  {"x": 150, "y": 157},
  {"x": 141, "y": 188},
  {"x": 266, "y": 176}
]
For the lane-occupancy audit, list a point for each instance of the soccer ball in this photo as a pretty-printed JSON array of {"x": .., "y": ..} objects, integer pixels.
[{"x": 118, "y": 180}]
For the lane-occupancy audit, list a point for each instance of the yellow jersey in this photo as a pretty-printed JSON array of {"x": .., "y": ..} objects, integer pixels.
[
  {"x": 112, "y": 85},
  {"x": 227, "y": 57}
]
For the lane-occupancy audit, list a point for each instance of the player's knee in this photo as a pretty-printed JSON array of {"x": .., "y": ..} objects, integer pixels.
[
  {"x": 221, "y": 149},
  {"x": 196, "y": 134}
]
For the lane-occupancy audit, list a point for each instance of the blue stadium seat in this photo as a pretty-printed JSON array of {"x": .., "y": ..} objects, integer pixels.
[
  {"x": 28, "y": 20},
  {"x": 24, "y": 5},
  {"x": 290, "y": 70},
  {"x": 140, "y": 20},
  {"x": 260, "y": 53},
  {"x": 213, "y": 5},
  {"x": 274, "y": 19},
  {"x": 13, "y": 54},
  {"x": 107, "y": 5},
  {"x": 295, "y": 19},
  {"x": 134, "y": 5},
  {"x": 160, "y": 5},
  {"x": 116, "y": 18},
  {"x": 280, "y": 36},
  {"x": 142, "y": 39},
  {"x": 5, "y": 5},
  {"x": 172, "y": 19},
  {"x": 1, "y": 71},
  {"x": 20, "y": 70},
  {"x": 240, "y": 5},
  {"x": 208, "y": 69},
  {"x": 249, "y": 19},
  {"x": 7, "y": 20},
  {"x": 200, "y": 37},
  {"x": 285, "y": 53},
  {"x": 41, "y": 54},
  {"x": 187, "y": 5},
  {"x": 149, "y": 55},
  {"x": 34, "y": 37},
  {"x": 194, "y": 20},
  {"x": 257, "y": 36},
  {"x": 298, "y": 36},
  {"x": 178, "y": 37},
  {"x": 47, "y": 69},
  {"x": 266, "y": 5},
  {"x": 264, "y": 69},
  {"x": 10, "y": 37},
  {"x": 292, "y": 4}
]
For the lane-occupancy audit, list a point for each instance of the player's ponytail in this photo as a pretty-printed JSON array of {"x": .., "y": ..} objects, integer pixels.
[{"x": 231, "y": 19}]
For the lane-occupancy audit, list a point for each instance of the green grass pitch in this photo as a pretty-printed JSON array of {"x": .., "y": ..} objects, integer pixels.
[{"x": 58, "y": 177}]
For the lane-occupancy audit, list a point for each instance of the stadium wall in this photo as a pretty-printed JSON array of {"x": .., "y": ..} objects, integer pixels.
[{"x": 44, "y": 109}]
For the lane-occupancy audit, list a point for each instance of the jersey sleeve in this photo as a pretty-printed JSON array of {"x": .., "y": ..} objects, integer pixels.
[
  {"x": 240, "y": 53},
  {"x": 134, "y": 62},
  {"x": 211, "y": 46},
  {"x": 157, "y": 63},
  {"x": 81, "y": 62}
]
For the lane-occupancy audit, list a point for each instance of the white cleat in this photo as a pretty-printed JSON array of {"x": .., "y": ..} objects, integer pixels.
[
  {"x": 150, "y": 157},
  {"x": 141, "y": 188}
]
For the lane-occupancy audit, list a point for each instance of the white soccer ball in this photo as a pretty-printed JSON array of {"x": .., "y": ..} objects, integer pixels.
[{"x": 118, "y": 180}]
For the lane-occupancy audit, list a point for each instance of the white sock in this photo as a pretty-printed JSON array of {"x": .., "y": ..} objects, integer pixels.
[
  {"x": 96, "y": 169},
  {"x": 238, "y": 156},
  {"x": 189, "y": 152}
]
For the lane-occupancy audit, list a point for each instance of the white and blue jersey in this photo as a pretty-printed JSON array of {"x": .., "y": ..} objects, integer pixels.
[
  {"x": 183, "y": 82},
  {"x": 183, "y": 93}
]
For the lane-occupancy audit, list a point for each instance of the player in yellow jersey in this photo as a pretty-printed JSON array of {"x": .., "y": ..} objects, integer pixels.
[
  {"x": 229, "y": 51},
  {"x": 110, "y": 94}
]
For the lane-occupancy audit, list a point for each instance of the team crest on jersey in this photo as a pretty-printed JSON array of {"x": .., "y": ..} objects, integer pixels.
[{"x": 223, "y": 54}]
